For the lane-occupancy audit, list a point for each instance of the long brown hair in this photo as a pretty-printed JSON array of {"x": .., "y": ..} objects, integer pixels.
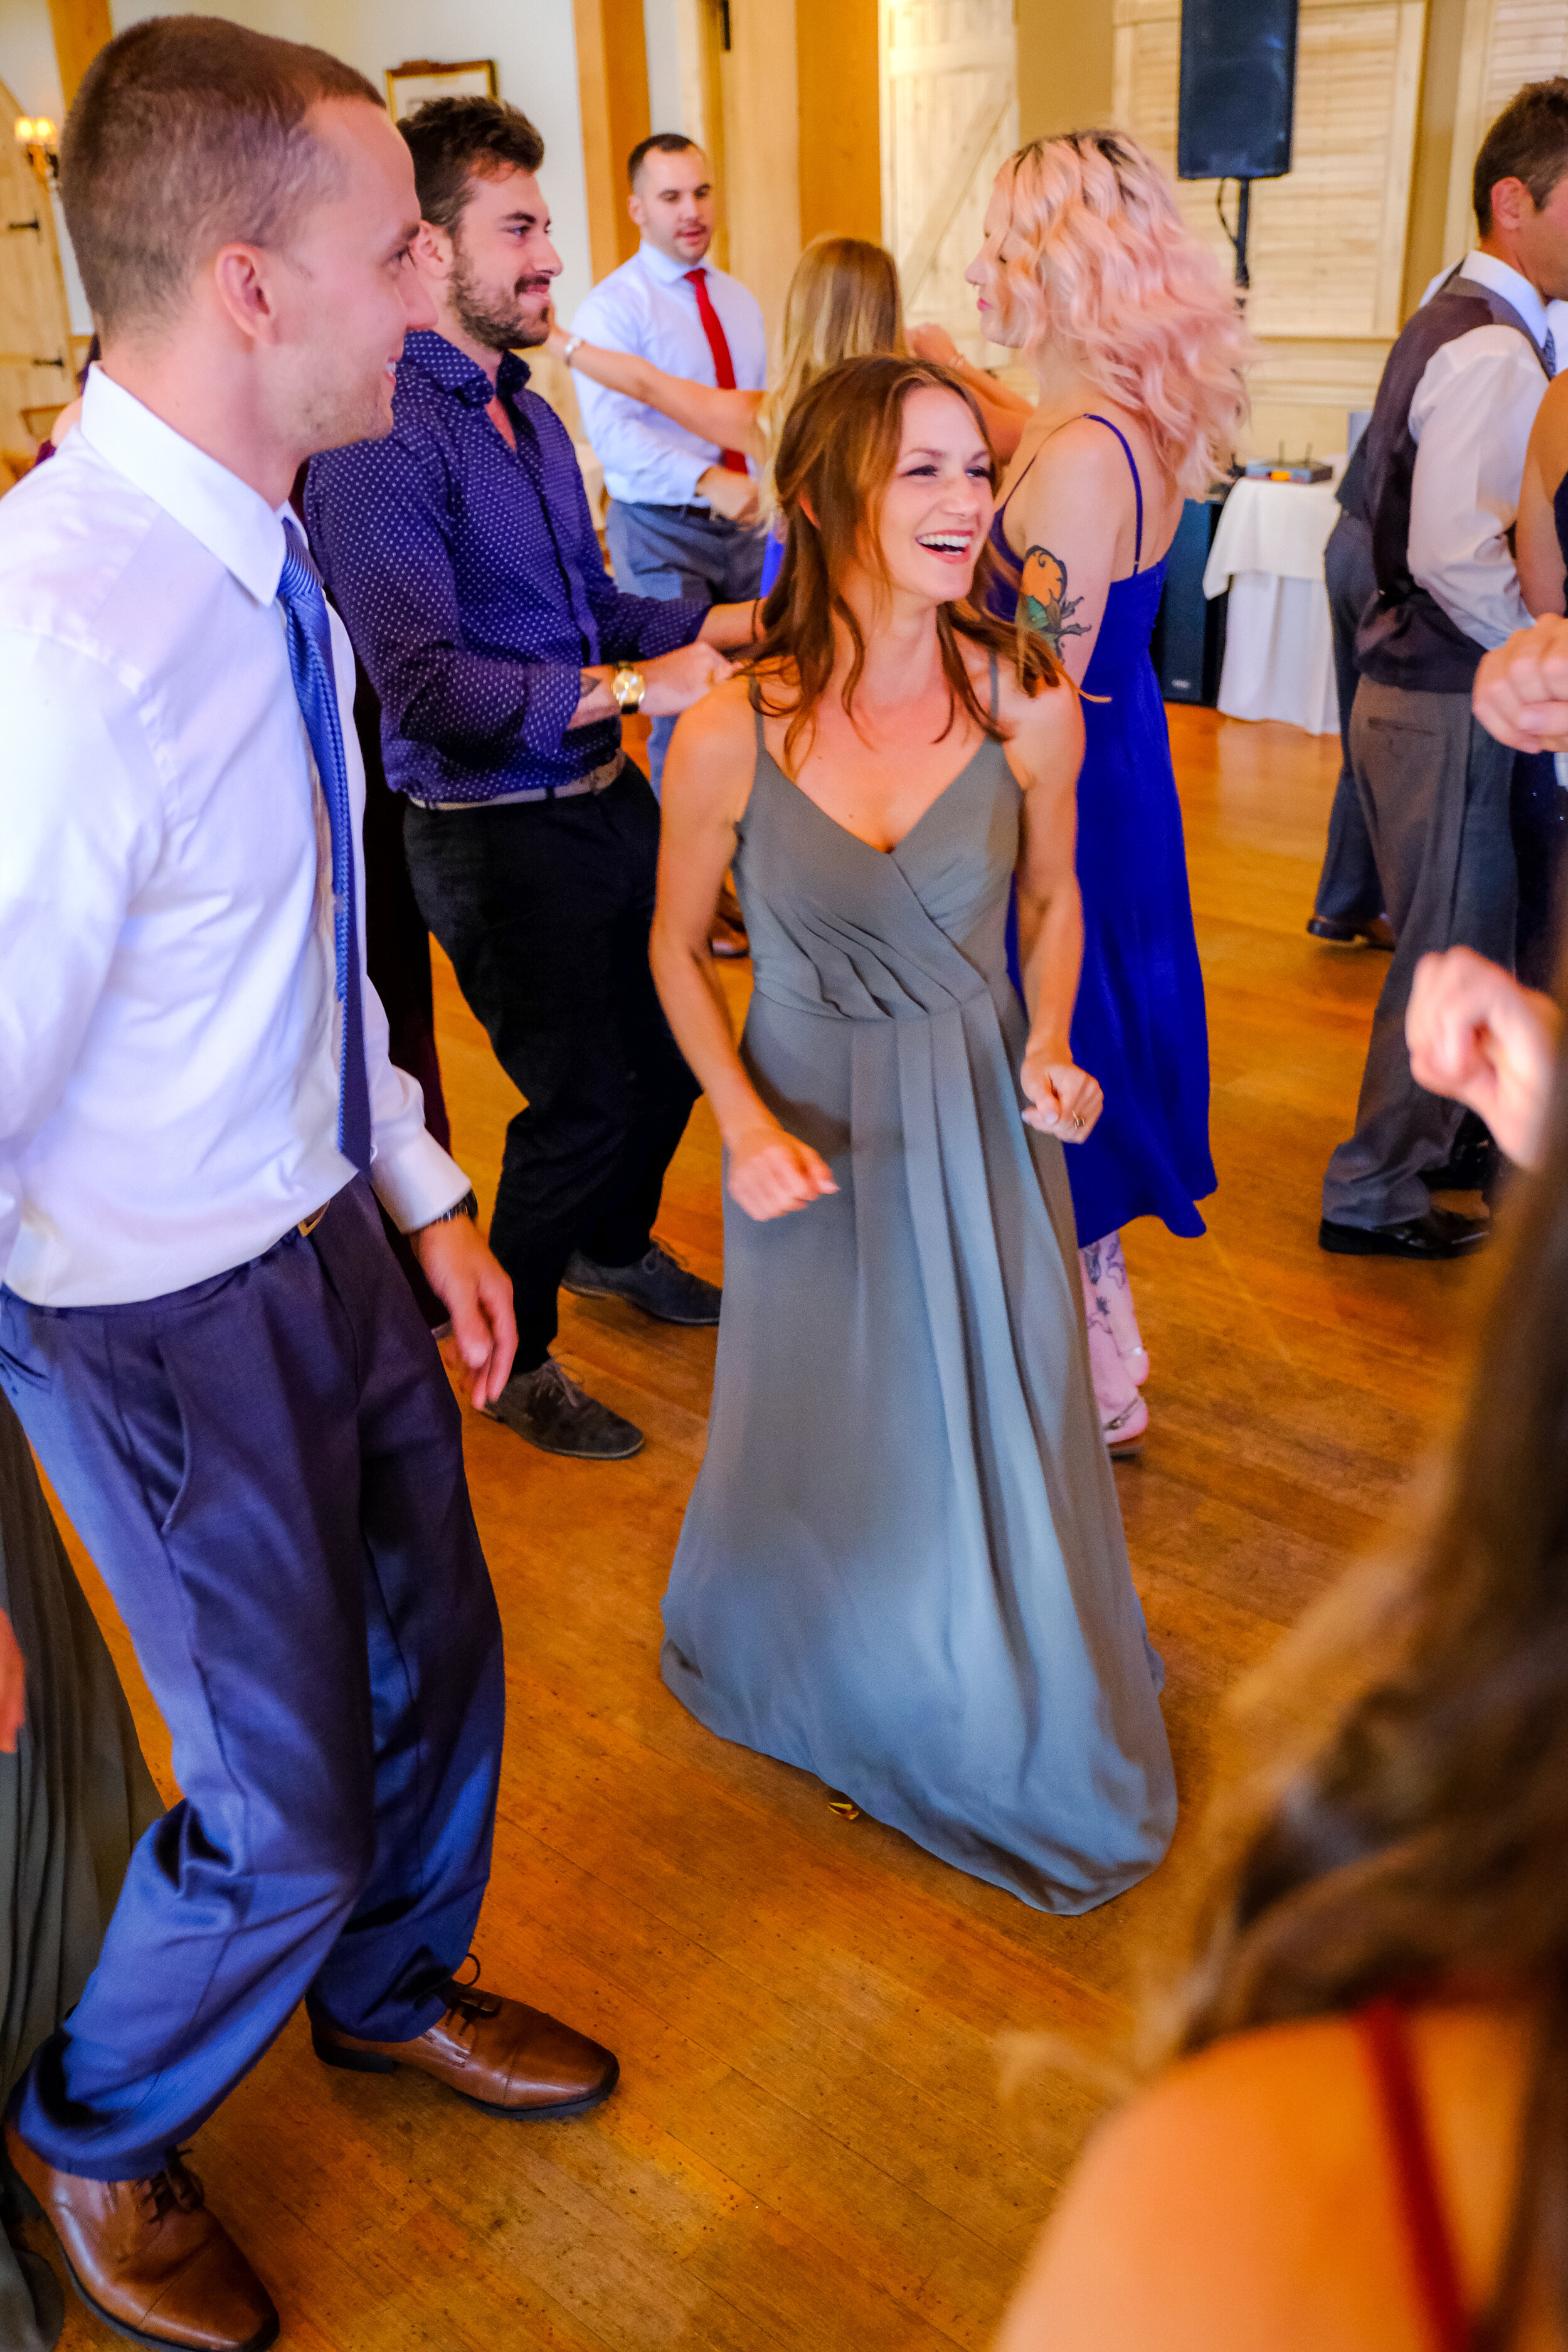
[
  {"x": 837, "y": 455},
  {"x": 1414, "y": 1835}
]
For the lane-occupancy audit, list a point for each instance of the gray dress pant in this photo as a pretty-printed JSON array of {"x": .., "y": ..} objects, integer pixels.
[
  {"x": 1348, "y": 888},
  {"x": 669, "y": 551},
  {"x": 1434, "y": 790}
]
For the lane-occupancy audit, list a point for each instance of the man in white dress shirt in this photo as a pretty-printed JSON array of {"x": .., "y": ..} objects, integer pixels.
[
  {"x": 683, "y": 512},
  {"x": 1445, "y": 462},
  {"x": 201, "y": 1325}
]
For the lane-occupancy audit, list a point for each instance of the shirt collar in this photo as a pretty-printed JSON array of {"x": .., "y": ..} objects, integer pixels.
[
  {"x": 445, "y": 365},
  {"x": 1489, "y": 271},
  {"x": 669, "y": 273},
  {"x": 229, "y": 519}
]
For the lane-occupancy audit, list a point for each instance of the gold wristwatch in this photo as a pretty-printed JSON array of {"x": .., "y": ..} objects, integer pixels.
[{"x": 628, "y": 686}]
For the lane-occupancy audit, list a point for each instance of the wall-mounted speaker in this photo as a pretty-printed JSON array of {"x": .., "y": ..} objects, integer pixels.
[{"x": 1238, "y": 89}]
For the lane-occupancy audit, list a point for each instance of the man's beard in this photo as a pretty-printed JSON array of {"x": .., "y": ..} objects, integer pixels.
[{"x": 499, "y": 325}]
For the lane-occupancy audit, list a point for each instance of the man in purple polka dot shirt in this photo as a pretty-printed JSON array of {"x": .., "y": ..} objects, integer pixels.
[{"x": 461, "y": 555}]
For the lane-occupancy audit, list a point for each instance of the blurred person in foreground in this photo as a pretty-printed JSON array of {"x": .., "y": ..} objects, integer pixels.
[
  {"x": 201, "y": 1328},
  {"x": 1363, "y": 2140},
  {"x": 902, "y": 1566}
]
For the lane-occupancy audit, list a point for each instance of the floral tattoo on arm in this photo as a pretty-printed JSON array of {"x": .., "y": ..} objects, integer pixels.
[{"x": 1051, "y": 616}]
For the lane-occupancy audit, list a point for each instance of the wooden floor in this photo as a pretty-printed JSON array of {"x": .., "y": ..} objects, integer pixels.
[{"x": 809, "y": 2148}]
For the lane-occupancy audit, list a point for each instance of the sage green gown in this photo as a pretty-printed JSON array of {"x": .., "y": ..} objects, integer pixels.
[
  {"x": 74, "y": 1800},
  {"x": 902, "y": 1566}
]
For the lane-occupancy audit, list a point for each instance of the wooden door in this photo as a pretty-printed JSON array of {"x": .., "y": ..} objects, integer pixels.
[
  {"x": 34, "y": 319},
  {"x": 950, "y": 120}
]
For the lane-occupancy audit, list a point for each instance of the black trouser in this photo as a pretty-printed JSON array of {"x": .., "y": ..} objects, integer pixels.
[{"x": 544, "y": 910}]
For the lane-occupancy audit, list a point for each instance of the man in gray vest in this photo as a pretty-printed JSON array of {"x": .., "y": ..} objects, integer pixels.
[{"x": 1444, "y": 459}]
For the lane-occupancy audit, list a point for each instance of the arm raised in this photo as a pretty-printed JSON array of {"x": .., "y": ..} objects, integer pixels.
[
  {"x": 706, "y": 782},
  {"x": 728, "y": 419}
]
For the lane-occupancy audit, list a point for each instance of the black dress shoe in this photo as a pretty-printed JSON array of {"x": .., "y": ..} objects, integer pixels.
[
  {"x": 549, "y": 1408},
  {"x": 657, "y": 1283},
  {"x": 1376, "y": 932},
  {"x": 1439, "y": 1233},
  {"x": 1471, "y": 1168}
]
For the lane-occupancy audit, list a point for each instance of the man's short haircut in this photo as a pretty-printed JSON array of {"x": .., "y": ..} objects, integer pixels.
[
  {"x": 456, "y": 141},
  {"x": 1528, "y": 142},
  {"x": 663, "y": 142},
  {"x": 188, "y": 133}
]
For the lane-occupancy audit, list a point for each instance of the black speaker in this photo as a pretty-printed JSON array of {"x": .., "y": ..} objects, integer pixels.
[
  {"x": 1188, "y": 645},
  {"x": 1238, "y": 89}
]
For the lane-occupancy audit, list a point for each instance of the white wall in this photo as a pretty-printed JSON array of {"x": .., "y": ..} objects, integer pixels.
[
  {"x": 532, "y": 41},
  {"x": 666, "y": 97}
]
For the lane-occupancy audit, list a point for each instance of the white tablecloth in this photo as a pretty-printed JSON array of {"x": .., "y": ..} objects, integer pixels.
[{"x": 1279, "y": 646}]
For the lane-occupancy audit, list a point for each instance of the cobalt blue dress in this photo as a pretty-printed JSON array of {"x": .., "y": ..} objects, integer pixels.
[{"x": 1140, "y": 1026}]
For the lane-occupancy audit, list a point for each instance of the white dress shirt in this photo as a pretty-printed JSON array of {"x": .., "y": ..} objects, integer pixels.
[
  {"x": 647, "y": 306},
  {"x": 169, "y": 1025},
  {"x": 1470, "y": 419}
]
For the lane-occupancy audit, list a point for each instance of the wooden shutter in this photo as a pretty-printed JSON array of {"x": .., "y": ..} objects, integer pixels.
[
  {"x": 1505, "y": 43},
  {"x": 950, "y": 120},
  {"x": 1327, "y": 249}
]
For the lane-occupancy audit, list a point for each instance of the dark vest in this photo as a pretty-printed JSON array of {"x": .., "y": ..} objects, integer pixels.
[{"x": 1405, "y": 637}]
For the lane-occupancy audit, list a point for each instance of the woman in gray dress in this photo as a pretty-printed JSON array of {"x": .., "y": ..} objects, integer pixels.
[
  {"x": 75, "y": 1796},
  {"x": 902, "y": 1567}
]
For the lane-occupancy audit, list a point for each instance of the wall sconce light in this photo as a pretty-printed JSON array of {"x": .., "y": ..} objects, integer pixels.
[{"x": 39, "y": 137}]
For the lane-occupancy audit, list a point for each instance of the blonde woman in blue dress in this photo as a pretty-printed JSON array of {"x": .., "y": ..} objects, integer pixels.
[{"x": 902, "y": 1567}]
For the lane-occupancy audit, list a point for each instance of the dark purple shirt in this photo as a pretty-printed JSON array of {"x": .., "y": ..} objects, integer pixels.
[{"x": 472, "y": 584}]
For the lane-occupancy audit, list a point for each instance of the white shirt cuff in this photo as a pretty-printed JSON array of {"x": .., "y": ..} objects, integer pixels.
[{"x": 417, "y": 1181}]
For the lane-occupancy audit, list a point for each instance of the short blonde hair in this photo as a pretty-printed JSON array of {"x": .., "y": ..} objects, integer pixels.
[{"x": 1109, "y": 270}]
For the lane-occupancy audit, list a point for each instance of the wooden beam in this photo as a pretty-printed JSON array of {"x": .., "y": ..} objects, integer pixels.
[
  {"x": 612, "y": 91},
  {"x": 80, "y": 29},
  {"x": 840, "y": 110}
]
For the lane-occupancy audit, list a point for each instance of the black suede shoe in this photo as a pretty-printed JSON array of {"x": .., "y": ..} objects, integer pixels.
[
  {"x": 1439, "y": 1233},
  {"x": 549, "y": 1408},
  {"x": 658, "y": 1283}
]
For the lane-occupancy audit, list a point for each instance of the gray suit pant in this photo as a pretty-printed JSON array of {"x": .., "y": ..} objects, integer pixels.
[
  {"x": 670, "y": 551},
  {"x": 1434, "y": 790}
]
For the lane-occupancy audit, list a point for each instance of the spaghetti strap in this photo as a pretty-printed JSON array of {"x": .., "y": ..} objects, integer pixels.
[
  {"x": 1429, "y": 2236},
  {"x": 995, "y": 686},
  {"x": 1137, "y": 486},
  {"x": 1088, "y": 418}
]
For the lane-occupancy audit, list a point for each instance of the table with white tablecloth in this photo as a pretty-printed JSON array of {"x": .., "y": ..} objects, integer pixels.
[{"x": 1280, "y": 646}]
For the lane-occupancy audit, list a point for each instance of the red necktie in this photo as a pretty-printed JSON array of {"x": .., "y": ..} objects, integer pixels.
[{"x": 717, "y": 344}]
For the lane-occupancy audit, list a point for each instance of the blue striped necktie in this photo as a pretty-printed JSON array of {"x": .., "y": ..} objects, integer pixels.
[{"x": 311, "y": 659}]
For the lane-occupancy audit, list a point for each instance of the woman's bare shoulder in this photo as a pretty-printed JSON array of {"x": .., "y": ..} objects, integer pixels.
[{"x": 1254, "y": 2179}]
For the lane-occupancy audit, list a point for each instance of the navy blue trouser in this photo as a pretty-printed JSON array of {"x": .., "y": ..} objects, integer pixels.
[{"x": 268, "y": 1469}]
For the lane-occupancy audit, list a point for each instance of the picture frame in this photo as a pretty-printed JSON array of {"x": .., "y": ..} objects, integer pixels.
[{"x": 418, "y": 78}]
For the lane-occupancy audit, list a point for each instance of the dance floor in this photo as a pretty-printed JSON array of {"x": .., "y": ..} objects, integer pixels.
[{"x": 812, "y": 2147}]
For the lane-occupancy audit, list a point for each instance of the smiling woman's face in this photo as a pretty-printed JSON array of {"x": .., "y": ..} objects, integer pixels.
[{"x": 936, "y": 510}]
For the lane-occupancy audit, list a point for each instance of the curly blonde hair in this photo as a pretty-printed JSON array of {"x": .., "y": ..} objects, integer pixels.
[{"x": 1109, "y": 269}]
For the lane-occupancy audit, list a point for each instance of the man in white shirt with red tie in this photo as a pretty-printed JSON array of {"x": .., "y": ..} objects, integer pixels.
[{"x": 683, "y": 513}]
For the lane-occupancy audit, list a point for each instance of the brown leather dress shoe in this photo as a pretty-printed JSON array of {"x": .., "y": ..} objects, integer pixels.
[
  {"x": 148, "y": 2259},
  {"x": 509, "y": 2058}
]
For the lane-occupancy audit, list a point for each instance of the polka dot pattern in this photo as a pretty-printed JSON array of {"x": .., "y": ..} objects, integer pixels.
[{"x": 472, "y": 583}]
